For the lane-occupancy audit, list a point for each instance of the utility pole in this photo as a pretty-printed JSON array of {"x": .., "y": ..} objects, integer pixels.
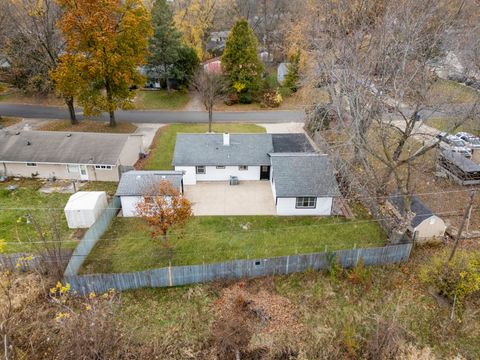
[{"x": 466, "y": 216}]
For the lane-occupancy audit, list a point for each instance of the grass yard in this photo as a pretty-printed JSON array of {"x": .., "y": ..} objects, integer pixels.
[
  {"x": 6, "y": 121},
  {"x": 161, "y": 155},
  {"x": 339, "y": 315},
  {"x": 16, "y": 204},
  {"x": 161, "y": 99},
  {"x": 15, "y": 96},
  {"x": 127, "y": 245},
  {"x": 453, "y": 92},
  {"x": 447, "y": 123},
  {"x": 88, "y": 126}
]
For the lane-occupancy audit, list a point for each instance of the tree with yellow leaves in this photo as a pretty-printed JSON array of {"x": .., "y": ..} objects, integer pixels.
[
  {"x": 107, "y": 41},
  {"x": 194, "y": 18}
]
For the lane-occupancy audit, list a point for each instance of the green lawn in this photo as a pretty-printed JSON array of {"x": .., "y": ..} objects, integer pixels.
[
  {"x": 160, "y": 158},
  {"x": 127, "y": 245},
  {"x": 447, "y": 123},
  {"x": 453, "y": 92},
  {"x": 26, "y": 199},
  {"x": 161, "y": 99}
]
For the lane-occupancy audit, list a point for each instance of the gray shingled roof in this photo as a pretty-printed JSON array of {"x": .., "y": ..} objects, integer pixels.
[
  {"x": 422, "y": 212},
  {"x": 61, "y": 147},
  {"x": 291, "y": 143},
  {"x": 306, "y": 174},
  {"x": 138, "y": 183},
  {"x": 208, "y": 149}
]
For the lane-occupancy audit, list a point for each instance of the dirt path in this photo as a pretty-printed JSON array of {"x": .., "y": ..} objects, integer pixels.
[{"x": 195, "y": 103}]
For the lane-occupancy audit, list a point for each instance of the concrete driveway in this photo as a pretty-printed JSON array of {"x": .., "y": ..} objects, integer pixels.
[{"x": 220, "y": 198}]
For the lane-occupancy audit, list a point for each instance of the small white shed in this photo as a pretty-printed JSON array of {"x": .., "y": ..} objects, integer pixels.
[{"x": 84, "y": 208}]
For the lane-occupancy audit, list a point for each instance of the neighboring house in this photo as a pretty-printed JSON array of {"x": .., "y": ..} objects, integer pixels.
[
  {"x": 303, "y": 182},
  {"x": 213, "y": 65},
  {"x": 63, "y": 155},
  {"x": 282, "y": 72},
  {"x": 216, "y": 43},
  {"x": 134, "y": 185},
  {"x": 425, "y": 225}
]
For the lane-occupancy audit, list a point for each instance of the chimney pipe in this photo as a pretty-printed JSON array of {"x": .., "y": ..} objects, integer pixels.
[{"x": 226, "y": 139}]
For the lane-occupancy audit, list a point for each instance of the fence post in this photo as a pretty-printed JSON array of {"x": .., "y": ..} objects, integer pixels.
[
  {"x": 170, "y": 274},
  {"x": 286, "y": 267}
]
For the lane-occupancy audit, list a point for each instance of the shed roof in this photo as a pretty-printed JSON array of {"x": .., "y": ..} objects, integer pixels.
[
  {"x": 208, "y": 149},
  {"x": 303, "y": 174},
  {"x": 421, "y": 211},
  {"x": 138, "y": 183},
  {"x": 61, "y": 147},
  {"x": 85, "y": 200}
]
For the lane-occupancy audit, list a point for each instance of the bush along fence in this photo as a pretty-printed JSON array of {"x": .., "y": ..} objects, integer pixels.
[
  {"x": 91, "y": 237},
  {"x": 238, "y": 269}
]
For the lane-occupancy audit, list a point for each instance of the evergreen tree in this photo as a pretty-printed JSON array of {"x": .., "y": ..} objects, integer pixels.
[
  {"x": 240, "y": 60},
  {"x": 292, "y": 77},
  {"x": 169, "y": 58}
]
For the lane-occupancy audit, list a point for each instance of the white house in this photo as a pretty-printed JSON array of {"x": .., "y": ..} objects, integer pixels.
[
  {"x": 134, "y": 185},
  {"x": 302, "y": 181},
  {"x": 63, "y": 155},
  {"x": 424, "y": 225}
]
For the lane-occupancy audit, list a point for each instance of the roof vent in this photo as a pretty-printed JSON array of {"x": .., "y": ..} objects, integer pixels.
[
  {"x": 226, "y": 139},
  {"x": 17, "y": 133},
  {"x": 29, "y": 143},
  {"x": 69, "y": 135}
]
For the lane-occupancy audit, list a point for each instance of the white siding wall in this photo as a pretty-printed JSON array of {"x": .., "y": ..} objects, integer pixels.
[
  {"x": 214, "y": 174},
  {"x": 129, "y": 205},
  {"x": 286, "y": 206},
  {"x": 189, "y": 177}
]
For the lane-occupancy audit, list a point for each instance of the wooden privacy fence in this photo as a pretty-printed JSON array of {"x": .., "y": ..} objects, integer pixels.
[
  {"x": 237, "y": 269},
  {"x": 91, "y": 237}
]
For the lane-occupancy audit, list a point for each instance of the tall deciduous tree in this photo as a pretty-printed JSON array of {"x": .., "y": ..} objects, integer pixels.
[
  {"x": 110, "y": 37},
  {"x": 211, "y": 88},
  {"x": 240, "y": 60}
]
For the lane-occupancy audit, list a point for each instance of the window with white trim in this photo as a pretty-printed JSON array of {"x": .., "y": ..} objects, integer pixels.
[
  {"x": 243, "y": 168},
  {"x": 103, "y": 167},
  {"x": 306, "y": 203},
  {"x": 31, "y": 164},
  {"x": 200, "y": 170},
  {"x": 220, "y": 167},
  {"x": 72, "y": 168}
]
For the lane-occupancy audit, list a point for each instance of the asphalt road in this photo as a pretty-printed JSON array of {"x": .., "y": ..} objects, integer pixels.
[{"x": 153, "y": 116}]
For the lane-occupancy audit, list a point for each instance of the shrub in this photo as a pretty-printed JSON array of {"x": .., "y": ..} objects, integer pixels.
[
  {"x": 245, "y": 98},
  {"x": 272, "y": 98},
  {"x": 285, "y": 92},
  {"x": 270, "y": 82},
  {"x": 457, "y": 278}
]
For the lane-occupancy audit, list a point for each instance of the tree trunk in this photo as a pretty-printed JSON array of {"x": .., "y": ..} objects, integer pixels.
[
  {"x": 113, "y": 122},
  {"x": 210, "y": 119},
  {"x": 71, "y": 110}
]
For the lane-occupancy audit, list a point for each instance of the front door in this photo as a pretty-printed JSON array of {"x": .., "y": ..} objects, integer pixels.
[
  {"x": 264, "y": 172},
  {"x": 83, "y": 172}
]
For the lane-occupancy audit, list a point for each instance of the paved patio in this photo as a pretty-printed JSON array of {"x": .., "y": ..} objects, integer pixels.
[{"x": 220, "y": 198}]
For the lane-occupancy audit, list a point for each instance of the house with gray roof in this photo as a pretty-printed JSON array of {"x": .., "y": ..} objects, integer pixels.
[
  {"x": 302, "y": 181},
  {"x": 63, "y": 155},
  {"x": 134, "y": 185}
]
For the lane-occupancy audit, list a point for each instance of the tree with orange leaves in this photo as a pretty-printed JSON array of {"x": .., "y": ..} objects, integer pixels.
[
  {"x": 164, "y": 208},
  {"x": 108, "y": 40}
]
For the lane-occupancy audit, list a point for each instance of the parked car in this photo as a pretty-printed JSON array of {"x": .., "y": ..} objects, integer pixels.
[
  {"x": 472, "y": 141},
  {"x": 454, "y": 143}
]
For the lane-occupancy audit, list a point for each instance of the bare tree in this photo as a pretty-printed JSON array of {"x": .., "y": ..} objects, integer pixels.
[
  {"x": 33, "y": 45},
  {"x": 211, "y": 87},
  {"x": 376, "y": 60}
]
